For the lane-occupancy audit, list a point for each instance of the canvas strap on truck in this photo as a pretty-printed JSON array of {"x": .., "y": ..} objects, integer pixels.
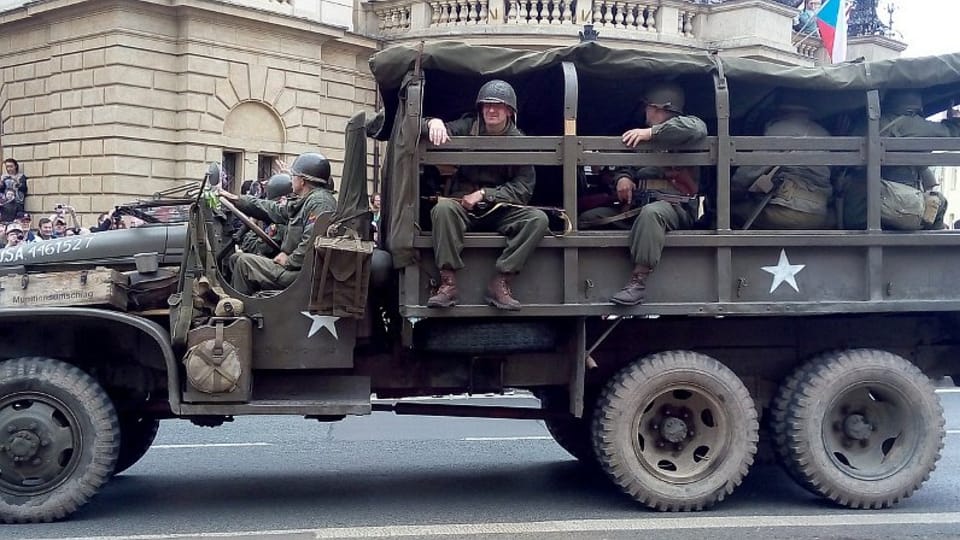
[{"x": 341, "y": 277}]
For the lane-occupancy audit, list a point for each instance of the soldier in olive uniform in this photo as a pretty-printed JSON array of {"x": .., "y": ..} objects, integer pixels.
[
  {"x": 802, "y": 193},
  {"x": 477, "y": 187},
  {"x": 669, "y": 127},
  {"x": 902, "y": 116},
  {"x": 279, "y": 186},
  {"x": 312, "y": 188}
]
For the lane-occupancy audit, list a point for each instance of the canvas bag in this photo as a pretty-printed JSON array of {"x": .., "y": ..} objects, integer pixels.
[
  {"x": 901, "y": 206},
  {"x": 341, "y": 277}
]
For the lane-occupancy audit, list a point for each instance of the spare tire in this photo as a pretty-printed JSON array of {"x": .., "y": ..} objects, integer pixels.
[{"x": 466, "y": 336}]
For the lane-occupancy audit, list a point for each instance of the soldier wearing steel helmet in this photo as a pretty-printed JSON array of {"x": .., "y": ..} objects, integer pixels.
[
  {"x": 668, "y": 126},
  {"x": 802, "y": 193},
  {"x": 278, "y": 188},
  {"x": 903, "y": 190},
  {"x": 313, "y": 196},
  {"x": 476, "y": 186}
]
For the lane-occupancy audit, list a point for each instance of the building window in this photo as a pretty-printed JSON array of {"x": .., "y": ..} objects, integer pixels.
[
  {"x": 265, "y": 167},
  {"x": 231, "y": 167}
]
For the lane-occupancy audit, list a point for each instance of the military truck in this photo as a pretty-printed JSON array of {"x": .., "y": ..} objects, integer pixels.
[{"x": 819, "y": 345}]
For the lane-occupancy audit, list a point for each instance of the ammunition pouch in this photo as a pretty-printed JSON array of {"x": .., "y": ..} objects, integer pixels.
[
  {"x": 150, "y": 291},
  {"x": 934, "y": 208},
  {"x": 798, "y": 196},
  {"x": 341, "y": 279}
]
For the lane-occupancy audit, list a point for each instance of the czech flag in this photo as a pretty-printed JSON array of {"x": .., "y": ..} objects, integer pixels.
[{"x": 832, "y": 23}]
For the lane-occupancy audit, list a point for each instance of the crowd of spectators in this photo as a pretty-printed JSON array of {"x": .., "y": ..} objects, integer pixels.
[{"x": 17, "y": 226}]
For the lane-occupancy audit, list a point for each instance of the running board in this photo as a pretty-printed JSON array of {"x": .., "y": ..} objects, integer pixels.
[
  {"x": 468, "y": 411},
  {"x": 334, "y": 395}
]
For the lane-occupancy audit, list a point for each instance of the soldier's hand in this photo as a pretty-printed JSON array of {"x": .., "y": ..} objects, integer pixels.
[
  {"x": 226, "y": 194},
  {"x": 469, "y": 200},
  {"x": 636, "y": 136},
  {"x": 281, "y": 259},
  {"x": 437, "y": 131},
  {"x": 625, "y": 187}
]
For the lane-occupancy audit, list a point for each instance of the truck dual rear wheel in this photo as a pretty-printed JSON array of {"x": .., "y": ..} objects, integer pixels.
[
  {"x": 58, "y": 439},
  {"x": 676, "y": 431},
  {"x": 863, "y": 428}
]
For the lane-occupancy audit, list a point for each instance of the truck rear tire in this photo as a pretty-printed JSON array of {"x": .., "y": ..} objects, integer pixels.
[
  {"x": 864, "y": 428},
  {"x": 137, "y": 433},
  {"x": 572, "y": 434},
  {"x": 779, "y": 411},
  {"x": 677, "y": 431},
  {"x": 59, "y": 439}
]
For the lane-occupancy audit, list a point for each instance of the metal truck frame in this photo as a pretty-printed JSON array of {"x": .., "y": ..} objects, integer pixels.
[{"x": 672, "y": 398}]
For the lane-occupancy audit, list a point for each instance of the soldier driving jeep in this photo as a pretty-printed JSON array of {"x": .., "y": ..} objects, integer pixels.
[{"x": 313, "y": 190}]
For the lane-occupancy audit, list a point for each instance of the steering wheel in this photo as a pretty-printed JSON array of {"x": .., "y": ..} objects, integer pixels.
[{"x": 246, "y": 220}]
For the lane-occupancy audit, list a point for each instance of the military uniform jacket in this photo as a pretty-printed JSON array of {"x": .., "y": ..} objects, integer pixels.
[
  {"x": 299, "y": 213},
  {"x": 677, "y": 131},
  {"x": 804, "y": 188},
  {"x": 251, "y": 243},
  {"x": 501, "y": 183},
  {"x": 913, "y": 126}
]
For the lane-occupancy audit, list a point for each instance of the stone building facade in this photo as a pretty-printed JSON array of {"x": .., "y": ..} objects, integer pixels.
[{"x": 105, "y": 100}]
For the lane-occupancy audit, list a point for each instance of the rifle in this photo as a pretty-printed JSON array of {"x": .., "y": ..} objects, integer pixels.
[
  {"x": 484, "y": 208},
  {"x": 764, "y": 184},
  {"x": 641, "y": 198}
]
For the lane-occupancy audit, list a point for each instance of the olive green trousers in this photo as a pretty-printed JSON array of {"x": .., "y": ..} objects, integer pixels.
[
  {"x": 253, "y": 273},
  {"x": 524, "y": 228}
]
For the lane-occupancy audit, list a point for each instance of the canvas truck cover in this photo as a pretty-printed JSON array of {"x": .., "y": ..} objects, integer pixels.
[{"x": 938, "y": 77}]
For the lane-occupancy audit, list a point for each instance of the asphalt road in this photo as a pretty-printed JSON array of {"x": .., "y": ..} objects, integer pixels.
[{"x": 414, "y": 477}]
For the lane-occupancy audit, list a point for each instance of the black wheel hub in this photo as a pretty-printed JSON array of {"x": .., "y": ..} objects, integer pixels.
[
  {"x": 39, "y": 443},
  {"x": 22, "y": 446}
]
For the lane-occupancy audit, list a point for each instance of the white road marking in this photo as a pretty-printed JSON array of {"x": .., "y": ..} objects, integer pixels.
[
  {"x": 574, "y": 526},
  {"x": 948, "y": 390},
  {"x": 526, "y": 438},
  {"x": 953, "y": 432},
  {"x": 209, "y": 445}
]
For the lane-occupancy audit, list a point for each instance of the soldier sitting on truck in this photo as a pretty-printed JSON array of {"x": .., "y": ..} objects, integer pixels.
[
  {"x": 312, "y": 185},
  {"x": 789, "y": 196},
  {"x": 677, "y": 187},
  {"x": 488, "y": 196},
  {"x": 279, "y": 186},
  {"x": 908, "y": 203}
]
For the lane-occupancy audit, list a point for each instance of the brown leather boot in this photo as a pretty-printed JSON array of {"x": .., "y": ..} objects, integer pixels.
[
  {"x": 499, "y": 294},
  {"x": 635, "y": 291},
  {"x": 446, "y": 295}
]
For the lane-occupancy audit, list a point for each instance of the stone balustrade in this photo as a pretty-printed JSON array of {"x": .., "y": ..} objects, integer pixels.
[
  {"x": 808, "y": 46},
  {"x": 394, "y": 18}
]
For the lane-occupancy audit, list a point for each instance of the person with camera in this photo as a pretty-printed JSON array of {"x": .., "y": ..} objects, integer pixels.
[{"x": 14, "y": 235}]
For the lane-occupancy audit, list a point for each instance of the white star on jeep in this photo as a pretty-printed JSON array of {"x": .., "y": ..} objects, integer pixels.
[
  {"x": 321, "y": 321},
  {"x": 784, "y": 272}
]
